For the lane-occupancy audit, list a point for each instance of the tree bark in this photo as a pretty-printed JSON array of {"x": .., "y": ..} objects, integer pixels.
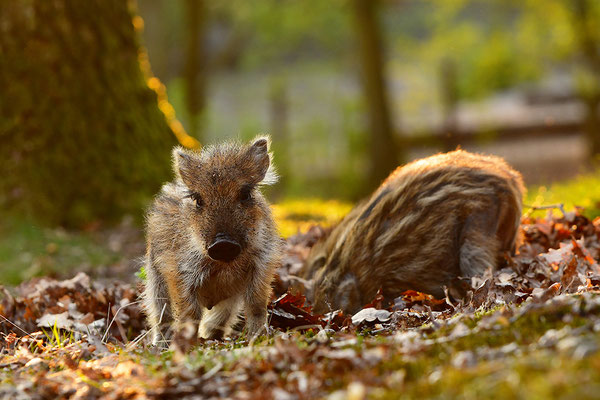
[
  {"x": 449, "y": 94},
  {"x": 279, "y": 113},
  {"x": 585, "y": 25},
  {"x": 384, "y": 153},
  {"x": 83, "y": 136},
  {"x": 195, "y": 66}
]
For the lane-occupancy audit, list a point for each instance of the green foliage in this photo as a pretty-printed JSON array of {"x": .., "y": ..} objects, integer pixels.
[
  {"x": 57, "y": 337},
  {"x": 141, "y": 274},
  {"x": 496, "y": 44},
  {"x": 493, "y": 44},
  {"x": 473, "y": 35},
  {"x": 280, "y": 31}
]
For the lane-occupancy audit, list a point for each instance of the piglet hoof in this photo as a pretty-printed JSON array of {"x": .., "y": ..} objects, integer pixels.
[
  {"x": 216, "y": 334},
  {"x": 256, "y": 332}
]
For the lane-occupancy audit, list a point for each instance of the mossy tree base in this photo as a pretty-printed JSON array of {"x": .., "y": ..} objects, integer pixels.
[{"x": 82, "y": 136}]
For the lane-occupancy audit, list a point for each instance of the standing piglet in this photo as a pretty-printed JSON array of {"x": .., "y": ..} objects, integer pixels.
[
  {"x": 446, "y": 216},
  {"x": 212, "y": 245}
]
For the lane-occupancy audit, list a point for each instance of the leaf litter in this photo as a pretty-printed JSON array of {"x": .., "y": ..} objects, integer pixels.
[{"x": 79, "y": 338}]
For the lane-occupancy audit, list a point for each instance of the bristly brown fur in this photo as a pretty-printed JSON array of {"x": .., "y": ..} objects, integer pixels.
[
  {"x": 215, "y": 193},
  {"x": 446, "y": 216}
]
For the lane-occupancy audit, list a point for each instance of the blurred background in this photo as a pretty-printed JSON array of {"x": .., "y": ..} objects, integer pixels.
[
  {"x": 350, "y": 88},
  {"x": 95, "y": 94}
]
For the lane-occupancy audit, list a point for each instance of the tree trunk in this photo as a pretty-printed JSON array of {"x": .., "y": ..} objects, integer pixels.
[
  {"x": 585, "y": 28},
  {"x": 279, "y": 113},
  {"x": 195, "y": 65},
  {"x": 384, "y": 153},
  {"x": 449, "y": 94},
  {"x": 592, "y": 126},
  {"x": 82, "y": 135}
]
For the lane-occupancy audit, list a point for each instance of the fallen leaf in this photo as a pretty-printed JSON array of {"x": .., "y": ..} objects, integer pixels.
[{"x": 371, "y": 315}]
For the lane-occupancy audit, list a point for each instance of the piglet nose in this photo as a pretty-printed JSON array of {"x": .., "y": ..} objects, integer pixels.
[{"x": 224, "y": 248}]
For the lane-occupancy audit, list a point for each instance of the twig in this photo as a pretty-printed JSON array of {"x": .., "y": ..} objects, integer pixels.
[
  {"x": 560, "y": 206},
  {"x": 107, "y": 318},
  {"x": 450, "y": 303},
  {"x": 115, "y": 316},
  {"x": 213, "y": 371},
  {"x": 162, "y": 313},
  {"x": 15, "y": 325},
  {"x": 268, "y": 325},
  {"x": 435, "y": 324},
  {"x": 135, "y": 341},
  {"x": 328, "y": 326},
  {"x": 119, "y": 325}
]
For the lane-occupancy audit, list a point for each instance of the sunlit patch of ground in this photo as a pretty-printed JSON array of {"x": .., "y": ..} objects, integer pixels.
[
  {"x": 583, "y": 191},
  {"x": 298, "y": 215}
]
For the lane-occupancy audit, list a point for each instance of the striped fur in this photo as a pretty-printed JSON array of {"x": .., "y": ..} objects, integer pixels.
[
  {"x": 183, "y": 282},
  {"x": 431, "y": 221}
]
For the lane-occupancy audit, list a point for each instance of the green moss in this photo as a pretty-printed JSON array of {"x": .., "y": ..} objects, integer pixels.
[
  {"x": 540, "y": 375},
  {"x": 28, "y": 250},
  {"x": 83, "y": 135},
  {"x": 524, "y": 331},
  {"x": 432, "y": 374}
]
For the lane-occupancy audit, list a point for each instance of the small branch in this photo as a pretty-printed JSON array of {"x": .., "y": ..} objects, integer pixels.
[
  {"x": 115, "y": 316},
  {"x": 435, "y": 324},
  {"x": 119, "y": 325},
  {"x": 213, "y": 371},
  {"x": 138, "y": 339},
  {"x": 15, "y": 325},
  {"x": 559, "y": 206}
]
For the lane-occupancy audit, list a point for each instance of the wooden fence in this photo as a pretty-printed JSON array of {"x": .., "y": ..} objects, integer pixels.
[{"x": 449, "y": 139}]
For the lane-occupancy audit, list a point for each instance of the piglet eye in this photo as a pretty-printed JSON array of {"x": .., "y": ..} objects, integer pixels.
[
  {"x": 246, "y": 193},
  {"x": 198, "y": 200}
]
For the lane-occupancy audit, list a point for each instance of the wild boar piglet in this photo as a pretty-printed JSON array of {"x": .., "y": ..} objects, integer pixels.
[
  {"x": 433, "y": 220},
  {"x": 212, "y": 244}
]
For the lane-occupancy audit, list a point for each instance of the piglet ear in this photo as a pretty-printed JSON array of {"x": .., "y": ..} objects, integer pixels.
[
  {"x": 263, "y": 171},
  {"x": 185, "y": 165}
]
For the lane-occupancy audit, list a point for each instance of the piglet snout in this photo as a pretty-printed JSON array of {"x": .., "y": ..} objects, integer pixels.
[{"x": 224, "y": 248}]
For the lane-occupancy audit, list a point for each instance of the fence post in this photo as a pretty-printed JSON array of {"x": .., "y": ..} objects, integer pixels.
[
  {"x": 584, "y": 24},
  {"x": 279, "y": 118}
]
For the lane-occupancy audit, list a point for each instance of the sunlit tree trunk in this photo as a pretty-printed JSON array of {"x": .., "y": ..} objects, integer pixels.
[
  {"x": 82, "y": 135},
  {"x": 384, "y": 153}
]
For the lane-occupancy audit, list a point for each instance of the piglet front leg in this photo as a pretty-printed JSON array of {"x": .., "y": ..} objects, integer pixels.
[{"x": 256, "y": 300}]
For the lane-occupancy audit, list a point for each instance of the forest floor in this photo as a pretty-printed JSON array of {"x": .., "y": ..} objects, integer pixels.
[{"x": 528, "y": 330}]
